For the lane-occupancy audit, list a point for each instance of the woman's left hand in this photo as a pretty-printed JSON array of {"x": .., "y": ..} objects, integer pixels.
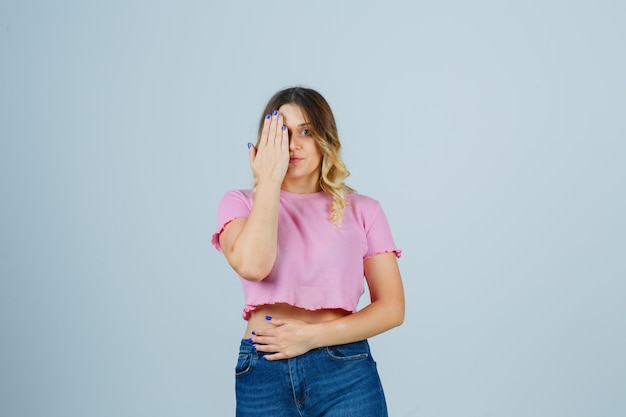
[{"x": 286, "y": 339}]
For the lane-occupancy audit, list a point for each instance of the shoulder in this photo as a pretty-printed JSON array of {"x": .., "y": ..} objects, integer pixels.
[
  {"x": 362, "y": 202},
  {"x": 246, "y": 193},
  {"x": 364, "y": 208},
  {"x": 238, "y": 195},
  {"x": 233, "y": 199}
]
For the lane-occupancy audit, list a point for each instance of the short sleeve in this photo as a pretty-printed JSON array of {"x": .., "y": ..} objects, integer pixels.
[
  {"x": 233, "y": 205},
  {"x": 378, "y": 235}
]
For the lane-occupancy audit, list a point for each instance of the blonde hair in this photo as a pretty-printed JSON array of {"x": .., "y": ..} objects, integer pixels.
[{"x": 319, "y": 115}]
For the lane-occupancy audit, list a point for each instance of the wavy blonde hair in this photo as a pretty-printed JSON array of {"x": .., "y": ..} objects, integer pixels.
[{"x": 323, "y": 128}]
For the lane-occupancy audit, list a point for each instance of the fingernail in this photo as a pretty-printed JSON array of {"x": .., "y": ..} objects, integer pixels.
[
  {"x": 275, "y": 112},
  {"x": 253, "y": 347},
  {"x": 250, "y": 340},
  {"x": 249, "y": 145},
  {"x": 268, "y": 317},
  {"x": 267, "y": 116},
  {"x": 284, "y": 127},
  {"x": 264, "y": 358},
  {"x": 253, "y": 332}
]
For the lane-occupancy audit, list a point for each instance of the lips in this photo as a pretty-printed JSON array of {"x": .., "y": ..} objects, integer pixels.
[{"x": 294, "y": 159}]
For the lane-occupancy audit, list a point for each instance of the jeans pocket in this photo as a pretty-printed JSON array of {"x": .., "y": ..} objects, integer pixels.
[
  {"x": 244, "y": 364},
  {"x": 347, "y": 353}
]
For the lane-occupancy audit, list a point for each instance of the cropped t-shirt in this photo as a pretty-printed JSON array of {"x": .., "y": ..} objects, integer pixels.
[{"x": 318, "y": 264}]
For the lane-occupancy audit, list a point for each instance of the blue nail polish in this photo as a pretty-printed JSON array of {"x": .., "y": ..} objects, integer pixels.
[
  {"x": 250, "y": 340},
  {"x": 267, "y": 116},
  {"x": 284, "y": 127},
  {"x": 253, "y": 332},
  {"x": 275, "y": 112},
  {"x": 264, "y": 358},
  {"x": 249, "y": 145},
  {"x": 268, "y": 317},
  {"x": 254, "y": 348}
]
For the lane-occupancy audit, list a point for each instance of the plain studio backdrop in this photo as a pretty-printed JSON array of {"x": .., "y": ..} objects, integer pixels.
[{"x": 493, "y": 133}]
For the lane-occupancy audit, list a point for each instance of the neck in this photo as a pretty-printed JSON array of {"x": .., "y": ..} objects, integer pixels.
[{"x": 301, "y": 186}]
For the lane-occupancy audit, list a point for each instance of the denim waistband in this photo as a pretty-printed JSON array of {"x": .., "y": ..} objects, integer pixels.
[{"x": 247, "y": 346}]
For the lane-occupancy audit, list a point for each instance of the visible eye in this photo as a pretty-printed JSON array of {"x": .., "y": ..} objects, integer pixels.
[{"x": 305, "y": 132}]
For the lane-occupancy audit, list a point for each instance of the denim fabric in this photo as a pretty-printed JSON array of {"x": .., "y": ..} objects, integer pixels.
[{"x": 335, "y": 381}]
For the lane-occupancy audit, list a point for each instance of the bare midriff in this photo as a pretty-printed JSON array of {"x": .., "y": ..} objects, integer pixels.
[{"x": 257, "y": 319}]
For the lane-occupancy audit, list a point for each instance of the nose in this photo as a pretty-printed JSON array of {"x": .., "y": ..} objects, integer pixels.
[{"x": 294, "y": 143}]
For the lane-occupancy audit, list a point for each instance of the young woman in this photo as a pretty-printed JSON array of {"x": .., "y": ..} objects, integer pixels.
[{"x": 301, "y": 242}]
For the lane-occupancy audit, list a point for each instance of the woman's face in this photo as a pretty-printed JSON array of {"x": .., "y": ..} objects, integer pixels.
[{"x": 305, "y": 157}]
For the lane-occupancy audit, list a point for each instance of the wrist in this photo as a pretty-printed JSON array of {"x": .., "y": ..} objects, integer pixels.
[
  {"x": 268, "y": 184},
  {"x": 316, "y": 333}
]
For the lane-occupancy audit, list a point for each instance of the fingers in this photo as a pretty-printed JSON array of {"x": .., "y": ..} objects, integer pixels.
[
  {"x": 265, "y": 131},
  {"x": 275, "y": 322},
  {"x": 273, "y": 352},
  {"x": 251, "y": 153},
  {"x": 276, "y": 127},
  {"x": 285, "y": 138},
  {"x": 275, "y": 357},
  {"x": 264, "y": 339},
  {"x": 286, "y": 339},
  {"x": 270, "y": 158},
  {"x": 274, "y": 131}
]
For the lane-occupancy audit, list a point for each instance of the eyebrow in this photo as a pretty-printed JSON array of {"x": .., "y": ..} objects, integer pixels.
[{"x": 304, "y": 124}]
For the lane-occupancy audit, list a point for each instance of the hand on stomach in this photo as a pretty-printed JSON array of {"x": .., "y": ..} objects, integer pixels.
[{"x": 258, "y": 321}]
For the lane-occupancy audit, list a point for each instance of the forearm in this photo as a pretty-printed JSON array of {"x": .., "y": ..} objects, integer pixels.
[
  {"x": 253, "y": 251},
  {"x": 376, "y": 318}
]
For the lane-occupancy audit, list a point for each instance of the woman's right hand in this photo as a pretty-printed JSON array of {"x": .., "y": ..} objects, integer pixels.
[
  {"x": 250, "y": 243},
  {"x": 269, "y": 162}
]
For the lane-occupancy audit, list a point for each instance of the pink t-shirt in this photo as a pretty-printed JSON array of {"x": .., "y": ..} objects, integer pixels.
[{"x": 318, "y": 264}]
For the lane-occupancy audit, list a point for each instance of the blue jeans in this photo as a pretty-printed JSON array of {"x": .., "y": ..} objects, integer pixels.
[{"x": 335, "y": 381}]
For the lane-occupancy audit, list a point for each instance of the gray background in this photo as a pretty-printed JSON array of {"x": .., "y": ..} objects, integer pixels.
[{"x": 492, "y": 132}]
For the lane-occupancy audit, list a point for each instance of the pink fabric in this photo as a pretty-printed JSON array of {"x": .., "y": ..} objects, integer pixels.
[{"x": 318, "y": 265}]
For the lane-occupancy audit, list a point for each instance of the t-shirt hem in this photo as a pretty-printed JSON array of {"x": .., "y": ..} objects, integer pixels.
[
  {"x": 397, "y": 252},
  {"x": 249, "y": 308},
  {"x": 215, "y": 239}
]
